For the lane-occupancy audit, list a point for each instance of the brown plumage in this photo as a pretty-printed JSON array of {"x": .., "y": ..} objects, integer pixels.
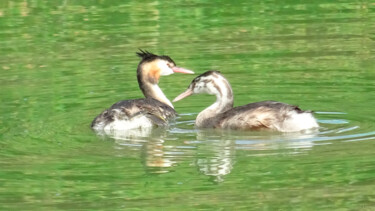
[
  {"x": 154, "y": 110},
  {"x": 269, "y": 115},
  {"x": 158, "y": 112}
]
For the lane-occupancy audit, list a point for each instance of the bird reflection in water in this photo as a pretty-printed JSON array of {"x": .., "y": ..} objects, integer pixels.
[
  {"x": 212, "y": 152},
  {"x": 215, "y": 154},
  {"x": 217, "y": 148},
  {"x": 155, "y": 156}
]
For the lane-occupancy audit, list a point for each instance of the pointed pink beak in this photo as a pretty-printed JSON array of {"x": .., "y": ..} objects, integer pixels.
[
  {"x": 181, "y": 70},
  {"x": 187, "y": 93}
]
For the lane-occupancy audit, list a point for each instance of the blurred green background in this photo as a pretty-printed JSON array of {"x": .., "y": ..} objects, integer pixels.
[{"x": 63, "y": 62}]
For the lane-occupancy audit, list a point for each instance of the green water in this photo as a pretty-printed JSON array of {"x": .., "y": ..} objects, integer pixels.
[{"x": 63, "y": 62}]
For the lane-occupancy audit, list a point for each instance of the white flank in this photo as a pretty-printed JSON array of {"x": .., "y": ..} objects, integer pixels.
[
  {"x": 299, "y": 122},
  {"x": 126, "y": 124}
]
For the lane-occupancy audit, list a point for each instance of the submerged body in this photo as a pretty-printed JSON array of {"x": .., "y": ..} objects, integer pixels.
[
  {"x": 269, "y": 115},
  {"x": 154, "y": 110}
]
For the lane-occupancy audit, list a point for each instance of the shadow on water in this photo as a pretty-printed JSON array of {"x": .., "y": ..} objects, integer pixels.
[{"x": 213, "y": 151}]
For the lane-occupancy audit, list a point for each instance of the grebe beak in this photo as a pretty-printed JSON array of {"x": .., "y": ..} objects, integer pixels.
[
  {"x": 181, "y": 70},
  {"x": 187, "y": 93}
]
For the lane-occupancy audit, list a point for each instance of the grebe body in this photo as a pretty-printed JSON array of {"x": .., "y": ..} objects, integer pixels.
[
  {"x": 269, "y": 115},
  {"x": 137, "y": 113},
  {"x": 154, "y": 110}
]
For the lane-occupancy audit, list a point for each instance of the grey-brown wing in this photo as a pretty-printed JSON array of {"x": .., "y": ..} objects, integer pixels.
[
  {"x": 158, "y": 112},
  {"x": 255, "y": 116}
]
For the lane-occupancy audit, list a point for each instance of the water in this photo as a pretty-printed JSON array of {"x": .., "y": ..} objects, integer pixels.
[{"x": 63, "y": 62}]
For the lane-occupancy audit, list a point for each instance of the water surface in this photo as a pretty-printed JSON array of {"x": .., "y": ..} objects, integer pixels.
[{"x": 63, "y": 62}]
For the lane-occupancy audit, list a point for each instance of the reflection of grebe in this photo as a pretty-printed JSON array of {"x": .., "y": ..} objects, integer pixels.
[
  {"x": 156, "y": 156},
  {"x": 269, "y": 115},
  {"x": 218, "y": 160},
  {"x": 155, "y": 109}
]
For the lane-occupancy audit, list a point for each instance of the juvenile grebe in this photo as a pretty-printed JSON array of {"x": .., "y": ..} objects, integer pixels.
[
  {"x": 153, "y": 110},
  {"x": 270, "y": 115}
]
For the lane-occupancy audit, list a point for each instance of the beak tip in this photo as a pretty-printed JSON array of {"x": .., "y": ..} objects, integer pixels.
[
  {"x": 182, "y": 70},
  {"x": 183, "y": 95}
]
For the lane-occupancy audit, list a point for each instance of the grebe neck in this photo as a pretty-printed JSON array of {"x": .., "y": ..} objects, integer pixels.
[
  {"x": 150, "y": 89},
  {"x": 156, "y": 93},
  {"x": 224, "y": 101}
]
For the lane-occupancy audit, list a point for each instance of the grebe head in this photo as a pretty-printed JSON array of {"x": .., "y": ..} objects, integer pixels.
[
  {"x": 153, "y": 66},
  {"x": 210, "y": 82}
]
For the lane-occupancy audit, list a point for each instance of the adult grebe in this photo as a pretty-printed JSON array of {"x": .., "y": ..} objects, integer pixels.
[
  {"x": 270, "y": 115},
  {"x": 153, "y": 110}
]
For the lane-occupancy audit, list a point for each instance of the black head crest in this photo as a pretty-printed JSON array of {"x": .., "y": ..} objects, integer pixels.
[{"x": 147, "y": 56}]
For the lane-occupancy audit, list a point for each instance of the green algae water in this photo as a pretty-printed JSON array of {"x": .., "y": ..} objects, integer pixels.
[{"x": 63, "y": 62}]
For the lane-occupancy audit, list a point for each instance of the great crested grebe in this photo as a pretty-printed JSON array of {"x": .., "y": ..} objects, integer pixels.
[
  {"x": 154, "y": 110},
  {"x": 269, "y": 115}
]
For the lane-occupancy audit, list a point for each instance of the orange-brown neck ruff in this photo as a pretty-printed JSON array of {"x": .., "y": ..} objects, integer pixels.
[
  {"x": 149, "y": 72},
  {"x": 154, "y": 74},
  {"x": 148, "y": 75}
]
